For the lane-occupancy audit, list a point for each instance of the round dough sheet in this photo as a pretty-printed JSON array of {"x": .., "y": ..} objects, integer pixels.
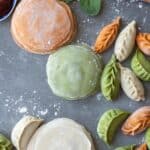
[
  {"x": 61, "y": 133},
  {"x": 74, "y": 72},
  {"x": 41, "y": 26}
]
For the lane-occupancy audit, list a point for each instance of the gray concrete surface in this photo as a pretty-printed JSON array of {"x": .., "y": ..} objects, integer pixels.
[{"x": 24, "y": 89}]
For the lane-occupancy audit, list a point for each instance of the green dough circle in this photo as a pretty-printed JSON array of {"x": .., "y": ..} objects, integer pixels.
[{"x": 74, "y": 72}]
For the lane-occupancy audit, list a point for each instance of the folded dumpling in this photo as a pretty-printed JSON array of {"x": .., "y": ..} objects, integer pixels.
[
  {"x": 131, "y": 85},
  {"x": 141, "y": 66},
  {"x": 125, "y": 41},
  {"x": 137, "y": 122},
  {"x": 143, "y": 42}
]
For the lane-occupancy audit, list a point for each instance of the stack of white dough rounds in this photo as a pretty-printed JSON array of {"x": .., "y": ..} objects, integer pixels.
[{"x": 74, "y": 72}]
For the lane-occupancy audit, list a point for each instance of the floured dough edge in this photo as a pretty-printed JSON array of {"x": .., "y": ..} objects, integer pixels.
[{"x": 24, "y": 130}]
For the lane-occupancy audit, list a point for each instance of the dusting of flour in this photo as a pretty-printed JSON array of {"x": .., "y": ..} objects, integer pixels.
[{"x": 25, "y": 105}]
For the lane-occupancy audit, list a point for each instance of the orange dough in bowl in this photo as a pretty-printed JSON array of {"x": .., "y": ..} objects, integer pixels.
[{"x": 40, "y": 26}]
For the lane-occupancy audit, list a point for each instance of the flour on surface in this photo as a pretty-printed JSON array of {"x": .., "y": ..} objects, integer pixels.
[
  {"x": 22, "y": 109},
  {"x": 24, "y": 105},
  {"x": 2, "y": 53},
  {"x": 43, "y": 112},
  {"x": 99, "y": 96}
]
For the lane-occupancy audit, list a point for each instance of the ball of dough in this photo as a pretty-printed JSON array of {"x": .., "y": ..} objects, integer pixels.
[{"x": 74, "y": 72}]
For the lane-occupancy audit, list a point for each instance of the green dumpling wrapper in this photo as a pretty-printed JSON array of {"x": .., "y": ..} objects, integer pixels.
[
  {"x": 5, "y": 143},
  {"x": 129, "y": 147},
  {"x": 109, "y": 123},
  {"x": 110, "y": 81},
  {"x": 147, "y": 138},
  {"x": 74, "y": 72},
  {"x": 141, "y": 66}
]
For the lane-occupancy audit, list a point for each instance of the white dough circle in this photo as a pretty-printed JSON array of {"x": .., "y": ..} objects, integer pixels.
[{"x": 62, "y": 133}]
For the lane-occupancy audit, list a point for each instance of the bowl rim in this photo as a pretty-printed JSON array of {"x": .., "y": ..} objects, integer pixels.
[{"x": 10, "y": 12}]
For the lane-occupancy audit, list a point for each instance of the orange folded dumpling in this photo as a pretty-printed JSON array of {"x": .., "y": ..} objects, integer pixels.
[
  {"x": 142, "y": 147},
  {"x": 137, "y": 122},
  {"x": 143, "y": 42},
  {"x": 107, "y": 36}
]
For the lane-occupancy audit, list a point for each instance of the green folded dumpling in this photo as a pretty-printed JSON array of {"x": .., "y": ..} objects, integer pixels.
[
  {"x": 129, "y": 147},
  {"x": 110, "y": 81},
  {"x": 109, "y": 123},
  {"x": 147, "y": 138},
  {"x": 141, "y": 66},
  {"x": 74, "y": 72},
  {"x": 5, "y": 143}
]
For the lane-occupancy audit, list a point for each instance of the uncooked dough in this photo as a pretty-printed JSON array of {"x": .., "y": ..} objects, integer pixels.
[
  {"x": 62, "y": 133},
  {"x": 23, "y": 131},
  {"x": 74, "y": 72},
  {"x": 41, "y": 26}
]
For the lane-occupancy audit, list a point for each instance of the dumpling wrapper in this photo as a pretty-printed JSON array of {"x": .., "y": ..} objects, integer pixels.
[
  {"x": 62, "y": 133},
  {"x": 42, "y": 26},
  {"x": 74, "y": 72}
]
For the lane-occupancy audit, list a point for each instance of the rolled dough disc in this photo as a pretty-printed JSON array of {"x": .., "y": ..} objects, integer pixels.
[
  {"x": 42, "y": 26},
  {"x": 62, "y": 133}
]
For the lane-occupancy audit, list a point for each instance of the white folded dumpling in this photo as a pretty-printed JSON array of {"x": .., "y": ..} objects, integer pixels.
[
  {"x": 131, "y": 85},
  {"x": 62, "y": 133},
  {"x": 125, "y": 41}
]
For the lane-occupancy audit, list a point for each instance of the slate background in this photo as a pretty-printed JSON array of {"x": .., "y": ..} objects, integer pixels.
[{"x": 23, "y": 79}]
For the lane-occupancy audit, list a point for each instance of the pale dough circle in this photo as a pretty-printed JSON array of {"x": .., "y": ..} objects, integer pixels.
[{"x": 62, "y": 133}]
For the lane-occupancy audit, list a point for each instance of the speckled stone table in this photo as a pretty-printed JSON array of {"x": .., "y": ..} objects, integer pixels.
[{"x": 23, "y": 83}]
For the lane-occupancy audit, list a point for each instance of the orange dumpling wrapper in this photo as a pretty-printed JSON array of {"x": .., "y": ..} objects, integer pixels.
[
  {"x": 143, "y": 42},
  {"x": 107, "y": 36}
]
